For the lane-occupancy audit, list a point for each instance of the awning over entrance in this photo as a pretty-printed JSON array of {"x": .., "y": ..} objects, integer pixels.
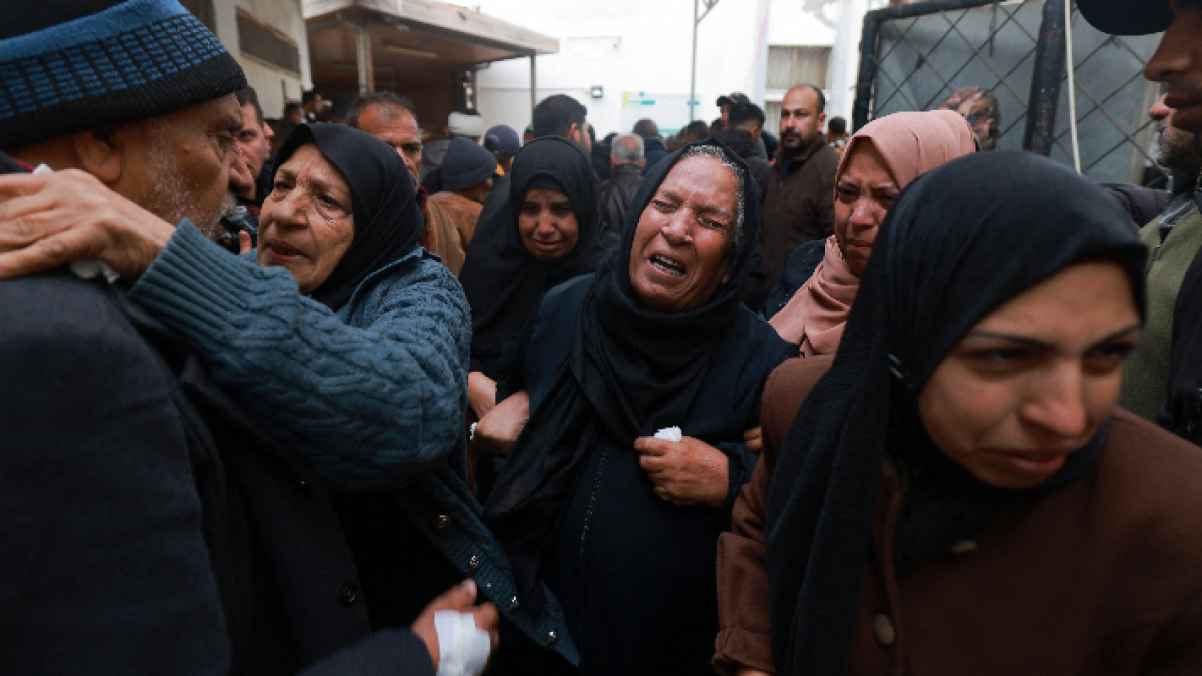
[{"x": 420, "y": 48}]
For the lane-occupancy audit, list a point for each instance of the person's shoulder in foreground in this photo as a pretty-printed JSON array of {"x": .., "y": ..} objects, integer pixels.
[{"x": 105, "y": 563}]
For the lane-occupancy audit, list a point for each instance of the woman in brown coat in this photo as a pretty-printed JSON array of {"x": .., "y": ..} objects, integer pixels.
[{"x": 958, "y": 493}]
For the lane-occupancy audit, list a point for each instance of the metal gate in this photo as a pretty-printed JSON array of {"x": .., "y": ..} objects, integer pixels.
[{"x": 914, "y": 56}]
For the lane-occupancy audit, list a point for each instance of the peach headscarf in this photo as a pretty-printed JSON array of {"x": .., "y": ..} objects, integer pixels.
[{"x": 911, "y": 144}]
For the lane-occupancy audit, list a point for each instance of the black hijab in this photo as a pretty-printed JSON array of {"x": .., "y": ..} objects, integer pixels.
[
  {"x": 961, "y": 241},
  {"x": 503, "y": 282},
  {"x": 387, "y": 219},
  {"x": 631, "y": 370}
]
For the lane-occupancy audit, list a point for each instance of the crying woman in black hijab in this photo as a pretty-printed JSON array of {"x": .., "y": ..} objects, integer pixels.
[
  {"x": 544, "y": 236},
  {"x": 601, "y": 498}
]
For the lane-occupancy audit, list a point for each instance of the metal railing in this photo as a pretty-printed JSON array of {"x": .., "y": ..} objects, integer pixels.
[{"x": 915, "y": 56}]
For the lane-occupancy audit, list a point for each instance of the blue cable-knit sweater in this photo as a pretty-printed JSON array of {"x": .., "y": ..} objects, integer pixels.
[{"x": 374, "y": 392}]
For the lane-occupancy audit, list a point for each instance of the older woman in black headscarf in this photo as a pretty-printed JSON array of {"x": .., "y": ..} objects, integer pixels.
[
  {"x": 618, "y": 513},
  {"x": 376, "y": 329},
  {"x": 545, "y": 236},
  {"x": 959, "y": 493}
]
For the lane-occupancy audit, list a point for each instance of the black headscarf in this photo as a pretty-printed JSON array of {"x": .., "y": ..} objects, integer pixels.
[
  {"x": 631, "y": 370},
  {"x": 504, "y": 283},
  {"x": 387, "y": 219},
  {"x": 961, "y": 241}
]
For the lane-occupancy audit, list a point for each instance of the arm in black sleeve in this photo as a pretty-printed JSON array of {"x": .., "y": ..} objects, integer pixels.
[
  {"x": 741, "y": 464},
  {"x": 389, "y": 652}
]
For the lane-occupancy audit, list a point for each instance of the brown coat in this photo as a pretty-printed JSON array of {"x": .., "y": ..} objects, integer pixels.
[
  {"x": 800, "y": 207},
  {"x": 450, "y": 225},
  {"x": 1102, "y": 577}
]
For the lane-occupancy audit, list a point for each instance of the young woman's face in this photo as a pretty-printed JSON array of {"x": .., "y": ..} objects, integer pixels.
[
  {"x": 547, "y": 224},
  {"x": 864, "y": 193},
  {"x": 1031, "y": 382}
]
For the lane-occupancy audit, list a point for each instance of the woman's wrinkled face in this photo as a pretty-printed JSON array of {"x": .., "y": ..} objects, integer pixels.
[
  {"x": 307, "y": 222},
  {"x": 547, "y": 224},
  {"x": 864, "y": 193},
  {"x": 1031, "y": 382},
  {"x": 678, "y": 258}
]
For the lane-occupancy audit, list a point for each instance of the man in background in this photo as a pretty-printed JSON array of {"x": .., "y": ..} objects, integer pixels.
[
  {"x": 466, "y": 124},
  {"x": 452, "y": 213},
  {"x": 314, "y": 105},
  {"x": 1173, "y": 240},
  {"x": 626, "y": 162},
  {"x": 801, "y": 207},
  {"x": 836, "y": 134},
  {"x": 728, "y": 101},
  {"x": 653, "y": 146},
  {"x": 502, "y": 141},
  {"x": 254, "y": 144},
  {"x": 1177, "y": 64},
  {"x": 750, "y": 118},
  {"x": 393, "y": 120},
  {"x": 563, "y": 116}
]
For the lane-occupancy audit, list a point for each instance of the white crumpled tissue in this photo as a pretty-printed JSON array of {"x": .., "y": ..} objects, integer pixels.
[
  {"x": 669, "y": 434},
  {"x": 463, "y": 647},
  {"x": 86, "y": 269}
]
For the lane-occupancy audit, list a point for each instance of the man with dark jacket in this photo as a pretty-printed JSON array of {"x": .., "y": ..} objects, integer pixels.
[
  {"x": 626, "y": 173},
  {"x": 747, "y": 147},
  {"x": 149, "y": 526},
  {"x": 1173, "y": 238},
  {"x": 803, "y": 206},
  {"x": 654, "y": 149},
  {"x": 1177, "y": 64}
]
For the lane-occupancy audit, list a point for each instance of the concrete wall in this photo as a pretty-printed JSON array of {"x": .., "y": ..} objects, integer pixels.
[
  {"x": 274, "y": 85},
  {"x": 639, "y": 52}
]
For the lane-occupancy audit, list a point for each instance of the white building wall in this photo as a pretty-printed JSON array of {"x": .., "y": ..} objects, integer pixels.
[
  {"x": 274, "y": 85},
  {"x": 633, "y": 46}
]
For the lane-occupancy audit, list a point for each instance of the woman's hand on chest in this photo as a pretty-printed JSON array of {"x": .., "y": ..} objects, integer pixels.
[{"x": 685, "y": 472}]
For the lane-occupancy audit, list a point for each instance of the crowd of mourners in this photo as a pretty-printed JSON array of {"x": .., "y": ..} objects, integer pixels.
[{"x": 346, "y": 402}]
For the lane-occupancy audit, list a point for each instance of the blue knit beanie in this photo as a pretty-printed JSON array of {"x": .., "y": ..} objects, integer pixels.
[
  {"x": 70, "y": 65},
  {"x": 466, "y": 164}
]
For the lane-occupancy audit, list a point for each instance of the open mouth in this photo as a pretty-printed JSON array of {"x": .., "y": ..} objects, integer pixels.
[
  {"x": 283, "y": 250},
  {"x": 668, "y": 266}
]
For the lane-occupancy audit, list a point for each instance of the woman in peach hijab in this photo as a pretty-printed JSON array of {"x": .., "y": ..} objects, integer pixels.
[{"x": 881, "y": 159}]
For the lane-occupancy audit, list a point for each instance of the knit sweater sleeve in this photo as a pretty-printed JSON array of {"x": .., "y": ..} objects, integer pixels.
[{"x": 374, "y": 401}]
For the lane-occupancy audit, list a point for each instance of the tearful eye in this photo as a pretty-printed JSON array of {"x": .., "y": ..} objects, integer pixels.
[
  {"x": 1108, "y": 357},
  {"x": 1002, "y": 360}
]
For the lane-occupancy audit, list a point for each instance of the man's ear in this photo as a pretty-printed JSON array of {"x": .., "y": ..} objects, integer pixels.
[
  {"x": 100, "y": 154},
  {"x": 821, "y": 121}
]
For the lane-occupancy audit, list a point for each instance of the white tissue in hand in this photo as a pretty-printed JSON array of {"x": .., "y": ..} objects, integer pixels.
[
  {"x": 462, "y": 646},
  {"x": 85, "y": 269},
  {"x": 669, "y": 434}
]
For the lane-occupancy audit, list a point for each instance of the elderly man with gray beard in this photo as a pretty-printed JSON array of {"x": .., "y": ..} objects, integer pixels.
[{"x": 1174, "y": 239}]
